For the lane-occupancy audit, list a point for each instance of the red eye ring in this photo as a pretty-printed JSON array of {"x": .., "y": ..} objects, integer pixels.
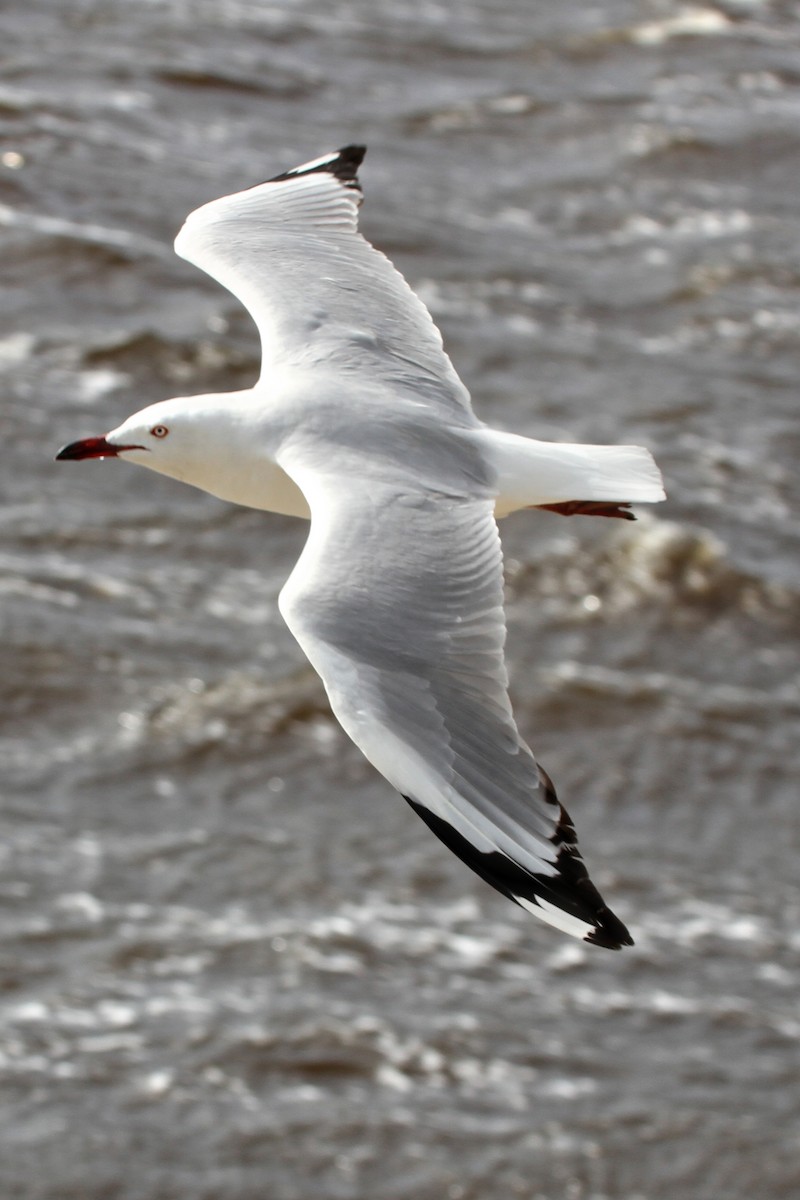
[{"x": 159, "y": 431}]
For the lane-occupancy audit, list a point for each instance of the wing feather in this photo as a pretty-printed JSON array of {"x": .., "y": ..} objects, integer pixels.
[
  {"x": 397, "y": 601},
  {"x": 319, "y": 293}
]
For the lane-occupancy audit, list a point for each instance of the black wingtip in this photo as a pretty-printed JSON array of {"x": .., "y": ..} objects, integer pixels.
[
  {"x": 610, "y": 933},
  {"x": 573, "y": 882},
  {"x": 570, "y": 890},
  {"x": 343, "y": 164},
  {"x": 350, "y": 158}
]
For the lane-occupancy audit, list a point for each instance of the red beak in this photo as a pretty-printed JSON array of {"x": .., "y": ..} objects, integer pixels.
[{"x": 93, "y": 447}]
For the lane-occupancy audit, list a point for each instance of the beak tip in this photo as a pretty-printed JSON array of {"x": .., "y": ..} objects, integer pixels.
[{"x": 91, "y": 447}]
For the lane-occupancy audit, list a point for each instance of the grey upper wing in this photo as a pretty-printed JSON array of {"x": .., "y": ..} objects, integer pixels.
[
  {"x": 397, "y": 601},
  {"x": 319, "y": 293}
]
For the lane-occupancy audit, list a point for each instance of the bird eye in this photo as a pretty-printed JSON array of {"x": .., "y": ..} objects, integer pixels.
[{"x": 159, "y": 431}]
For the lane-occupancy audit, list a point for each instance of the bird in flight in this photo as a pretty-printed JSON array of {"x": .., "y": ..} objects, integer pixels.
[{"x": 360, "y": 422}]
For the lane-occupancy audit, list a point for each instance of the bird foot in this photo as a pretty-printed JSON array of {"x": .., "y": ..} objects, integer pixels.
[{"x": 590, "y": 508}]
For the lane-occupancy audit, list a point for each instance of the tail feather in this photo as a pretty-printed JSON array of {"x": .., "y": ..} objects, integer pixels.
[{"x": 532, "y": 473}]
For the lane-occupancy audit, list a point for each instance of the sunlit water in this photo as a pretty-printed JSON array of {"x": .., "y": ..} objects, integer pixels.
[{"x": 233, "y": 964}]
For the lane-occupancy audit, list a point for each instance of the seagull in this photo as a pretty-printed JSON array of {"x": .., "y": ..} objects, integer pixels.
[{"x": 359, "y": 422}]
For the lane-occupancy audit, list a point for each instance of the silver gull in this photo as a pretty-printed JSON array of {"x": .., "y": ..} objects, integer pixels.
[{"x": 360, "y": 421}]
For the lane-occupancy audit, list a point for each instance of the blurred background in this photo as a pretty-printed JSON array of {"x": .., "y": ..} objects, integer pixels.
[{"x": 233, "y": 965}]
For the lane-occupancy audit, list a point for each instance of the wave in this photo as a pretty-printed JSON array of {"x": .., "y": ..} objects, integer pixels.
[{"x": 657, "y": 563}]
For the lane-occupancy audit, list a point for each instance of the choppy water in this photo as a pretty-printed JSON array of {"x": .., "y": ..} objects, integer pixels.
[{"x": 232, "y": 964}]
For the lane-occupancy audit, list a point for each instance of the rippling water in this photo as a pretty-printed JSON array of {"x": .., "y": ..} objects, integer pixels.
[{"x": 232, "y": 963}]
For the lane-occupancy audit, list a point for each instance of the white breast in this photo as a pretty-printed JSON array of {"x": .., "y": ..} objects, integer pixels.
[{"x": 266, "y": 487}]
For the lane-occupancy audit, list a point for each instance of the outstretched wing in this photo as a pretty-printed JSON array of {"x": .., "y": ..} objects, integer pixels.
[
  {"x": 397, "y": 601},
  {"x": 319, "y": 293}
]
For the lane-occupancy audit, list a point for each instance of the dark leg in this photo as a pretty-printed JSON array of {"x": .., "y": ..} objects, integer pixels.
[{"x": 590, "y": 508}]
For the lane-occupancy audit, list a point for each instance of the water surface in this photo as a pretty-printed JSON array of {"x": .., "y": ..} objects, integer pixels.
[{"x": 233, "y": 964}]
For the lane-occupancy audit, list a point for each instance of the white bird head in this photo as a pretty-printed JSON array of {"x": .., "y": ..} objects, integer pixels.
[
  {"x": 183, "y": 438},
  {"x": 218, "y": 443},
  {"x": 157, "y": 437}
]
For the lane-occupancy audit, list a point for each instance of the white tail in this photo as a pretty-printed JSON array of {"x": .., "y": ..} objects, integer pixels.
[{"x": 530, "y": 473}]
